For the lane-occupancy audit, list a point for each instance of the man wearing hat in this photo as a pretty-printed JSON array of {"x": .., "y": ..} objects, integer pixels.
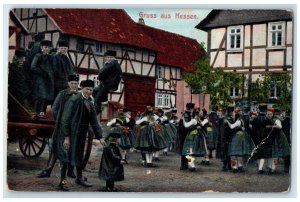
[
  {"x": 57, "y": 110},
  {"x": 78, "y": 114},
  {"x": 182, "y": 133},
  {"x": 224, "y": 138},
  {"x": 109, "y": 77},
  {"x": 63, "y": 66},
  {"x": 42, "y": 69},
  {"x": 20, "y": 83}
]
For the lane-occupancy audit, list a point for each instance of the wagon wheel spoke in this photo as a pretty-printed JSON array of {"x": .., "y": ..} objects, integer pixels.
[
  {"x": 33, "y": 148},
  {"x": 39, "y": 139},
  {"x": 36, "y": 145},
  {"x": 25, "y": 149},
  {"x": 23, "y": 142}
]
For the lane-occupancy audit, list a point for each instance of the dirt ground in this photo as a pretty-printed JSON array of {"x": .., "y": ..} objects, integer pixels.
[{"x": 164, "y": 177}]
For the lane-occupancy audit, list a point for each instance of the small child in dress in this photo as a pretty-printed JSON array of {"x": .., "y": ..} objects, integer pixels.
[{"x": 111, "y": 166}]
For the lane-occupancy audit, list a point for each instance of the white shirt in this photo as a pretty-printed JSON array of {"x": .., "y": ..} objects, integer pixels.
[{"x": 236, "y": 124}]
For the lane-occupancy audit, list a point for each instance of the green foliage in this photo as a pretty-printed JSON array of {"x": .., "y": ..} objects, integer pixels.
[
  {"x": 217, "y": 83},
  {"x": 213, "y": 81}
]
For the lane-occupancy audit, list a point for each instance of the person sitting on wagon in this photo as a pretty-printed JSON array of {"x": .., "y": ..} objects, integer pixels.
[{"x": 109, "y": 77}]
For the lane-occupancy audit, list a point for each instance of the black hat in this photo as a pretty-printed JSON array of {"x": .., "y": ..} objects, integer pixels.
[
  {"x": 160, "y": 110},
  {"x": 246, "y": 109},
  {"x": 46, "y": 43},
  {"x": 263, "y": 107},
  {"x": 39, "y": 36},
  {"x": 174, "y": 110},
  {"x": 114, "y": 135},
  {"x": 230, "y": 109},
  {"x": 73, "y": 77},
  {"x": 190, "y": 105},
  {"x": 215, "y": 108},
  {"x": 110, "y": 53},
  {"x": 87, "y": 83},
  {"x": 63, "y": 43},
  {"x": 125, "y": 109},
  {"x": 20, "y": 53}
]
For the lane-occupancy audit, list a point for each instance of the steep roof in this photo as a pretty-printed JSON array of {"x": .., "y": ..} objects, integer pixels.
[
  {"x": 220, "y": 18},
  {"x": 106, "y": 25},
  {"x": 115, "y": 26},
  {"x": 176, "y": 50}
]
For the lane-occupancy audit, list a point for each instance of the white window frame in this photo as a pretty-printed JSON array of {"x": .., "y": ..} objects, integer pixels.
[
  {"x": 96, "y": 47},
  {"x": 160, "y": 72},
  {"x": 233, "y": 93},
  {"x": 235, "y": 34},
  {"x": 163, "y": 100},
  {"x": 274, "y": 89},
  {"x": 276, "y": 31}
]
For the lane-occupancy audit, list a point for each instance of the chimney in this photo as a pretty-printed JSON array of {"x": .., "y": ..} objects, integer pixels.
[{"x": 141, "y": 21}]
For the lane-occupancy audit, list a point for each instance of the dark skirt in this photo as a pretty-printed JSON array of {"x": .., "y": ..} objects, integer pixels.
[
  {"x": 195, "y": 144},
  {"x": 168, "y": 133},
  {"x": 149, "y": 138},
  {"x": 240, "y": 144},
  {"x": 211, "y": 138},
  {"x": 281, "y": 147},
  {"x": 124, "y": 138}
]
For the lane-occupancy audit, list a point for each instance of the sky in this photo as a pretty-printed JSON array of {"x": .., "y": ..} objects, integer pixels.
[{"x": 173, "y": 20}]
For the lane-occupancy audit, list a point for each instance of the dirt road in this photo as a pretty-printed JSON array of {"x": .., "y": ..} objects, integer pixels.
[{"x": 164, "y": 177}]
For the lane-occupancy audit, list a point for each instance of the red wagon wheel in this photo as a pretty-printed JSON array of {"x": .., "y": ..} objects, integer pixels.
[{"x": 31, "y": 145}]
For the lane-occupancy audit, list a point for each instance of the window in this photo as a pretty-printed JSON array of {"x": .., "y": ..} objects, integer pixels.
[
  {"x": 235, "y": 38},
  {"x": 160, "y": 72},
  {"x": 80, "y": 45},
  {"x": 98, "y": 47},
  {"x": 274, "y": 90},
  {"x": 234, "y": 92},
  {"x": 276, "y": 34},
  {"x": 163, "y": 100}
]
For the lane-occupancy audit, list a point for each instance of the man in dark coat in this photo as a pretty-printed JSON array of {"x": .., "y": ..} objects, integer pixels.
[
  {"x": 182, "y": 133},
  {"x": 42, "y": 69},
  {"x": 224, "y": 138},
  {"x": 57, "y": 110},
  {"x": 258, "y": 126},
  {"x": 111, "y": 165},
  {"x": 78, "y": 114},
  {"x": 286, "y": 127},
  {"x": 214, "y": 120},
  {"x": 19, "y": 81},
  {"x": 109, "y": 76},
  {"x": 63, "y": 67}
]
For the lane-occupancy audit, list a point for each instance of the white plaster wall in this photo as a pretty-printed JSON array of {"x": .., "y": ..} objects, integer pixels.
[
  {"x": 276, "y": 58},
  {"x": 216, "y": 37},
  {"x": 220, "y": 62},
  {"x": 234, "y": 60},
  {"x": 246, "y": 57},
  {"x": 259, "y": 35},
  {"x": 247, "y": 35},
  {"x": 258, "y": 57},
  {"x": 289, "y": 56},
  {"x": 289, "y": 34}
]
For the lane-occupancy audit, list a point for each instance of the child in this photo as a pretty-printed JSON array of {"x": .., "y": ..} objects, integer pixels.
[{"x": 111, "y": 166}]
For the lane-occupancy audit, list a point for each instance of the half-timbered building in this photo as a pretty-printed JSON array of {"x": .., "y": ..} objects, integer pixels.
[
  {"x": 250, "y": 42},
  {"x": 152, "y": 60}
]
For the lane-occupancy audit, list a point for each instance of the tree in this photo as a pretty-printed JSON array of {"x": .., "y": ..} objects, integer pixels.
[{"x": 213, "y": 81}]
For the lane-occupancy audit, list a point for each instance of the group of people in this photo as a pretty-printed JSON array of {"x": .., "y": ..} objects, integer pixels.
[
  {"x": 37, "y": 75},
  {"x": 49, "y": 79}
]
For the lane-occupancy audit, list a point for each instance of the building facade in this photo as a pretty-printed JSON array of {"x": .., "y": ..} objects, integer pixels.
[
  {"x": 151, "y": 65},
  {"x": 250, "y": 42}
]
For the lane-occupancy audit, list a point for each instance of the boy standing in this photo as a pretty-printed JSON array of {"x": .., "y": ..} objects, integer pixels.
[{"x": 111, "y": 166}]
